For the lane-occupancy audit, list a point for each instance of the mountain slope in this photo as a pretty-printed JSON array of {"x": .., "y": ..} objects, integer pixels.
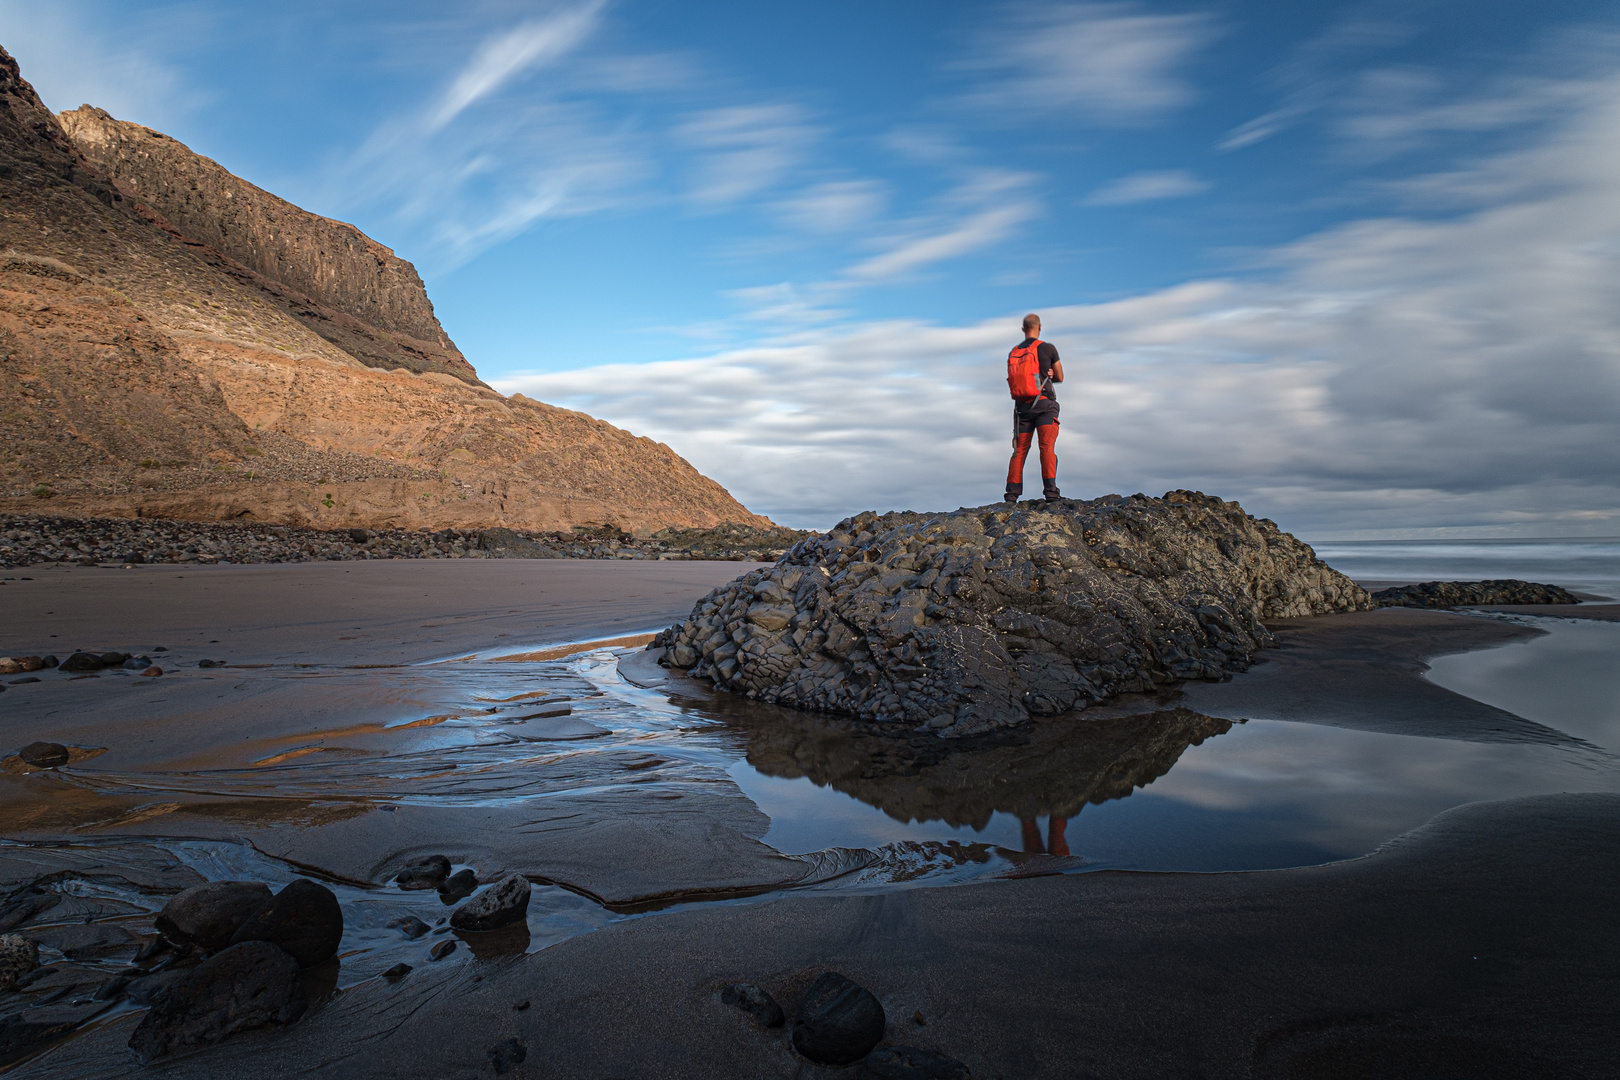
[{"x": 147, "y": 372}]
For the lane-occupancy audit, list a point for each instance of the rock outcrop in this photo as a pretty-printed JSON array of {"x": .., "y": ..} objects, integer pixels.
[
  {"x": 245, "y": 359},
  {"x": 970, "y": 621},
  {"x": 341, "y": 284},
  {"x": 1452, "y": 594}
]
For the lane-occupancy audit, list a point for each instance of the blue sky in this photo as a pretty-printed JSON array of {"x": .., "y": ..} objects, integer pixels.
[{"x": 1353, "y": 264}]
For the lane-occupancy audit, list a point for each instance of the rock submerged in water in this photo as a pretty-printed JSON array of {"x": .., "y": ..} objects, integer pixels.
[
  {"x": 424, "y": 873},
  {"x": 247, "y": 986},
  {"x": 44, "y": 755},
  {"x": 969, "y": 621},
  {"x": 503, "y": 903},
  {"x": 1450, "y": 594}
]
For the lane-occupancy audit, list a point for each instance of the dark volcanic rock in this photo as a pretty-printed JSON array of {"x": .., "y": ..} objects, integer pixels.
[
  {"x": 304, "y": 919},
  {"x": 838, "y": 1022},
  {"x": 423, "y": 873},
  {"x": 409, "y": 925},
  {"x": 18, "y": 956},
  {"x": 442, "y": 949},
  {"x": 247, "y": 986},
  {"x": 209, "y": 915},
  {"x": 398, "y": 971},
  {"x": 44, "y": 755},
  {"x": 969, "y": 621},
  {"x": 910, "y": 1063},
  {"x": 457, "y": 885},
  {"x": 756, "y": 1001},
  {"x": 504, "y": 903},
  {"x": 1450, "y": 594},
  {"x": 83, "y": 661}
]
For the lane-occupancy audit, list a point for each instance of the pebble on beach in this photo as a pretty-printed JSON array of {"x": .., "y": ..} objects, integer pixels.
[
  {"x": 838, "y": 1021},
  {"x": 410, "y": 926},
  {"x": 756, "y": 1001},
  {"x": 504, "y": 903},
  {"x": 442, "y": 949},
  {"x": 506, "y": 1055},
  {"x": 18, "y": 956},
  {"x": 457, "y": 885},
  {"x": 44, "y": 755},
  {"x": 910, "y": 1063},
  {"x": 424, "y": 873}
]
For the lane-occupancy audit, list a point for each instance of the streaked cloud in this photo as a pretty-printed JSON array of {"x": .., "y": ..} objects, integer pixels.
[
  {"x": 836, "y": 206},
  {"x": 1390, "y": 372},
  {"x": 514, "y": 52},
  {"x": 742, "y": 150},
  {"x": 1148, "y": 186},
  {"x": 1116, "y": 64}
]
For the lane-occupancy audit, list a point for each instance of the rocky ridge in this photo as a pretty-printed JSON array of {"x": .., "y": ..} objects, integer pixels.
[
  {"x": 145, "y": 371},
  {"x": 1453, "y": 594},
  {"x": 29, "y": 540},
  {"x": 970, "y": 621}
]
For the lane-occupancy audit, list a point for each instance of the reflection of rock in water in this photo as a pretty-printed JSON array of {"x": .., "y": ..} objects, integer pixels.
[{"x": 1052, "y": 766}]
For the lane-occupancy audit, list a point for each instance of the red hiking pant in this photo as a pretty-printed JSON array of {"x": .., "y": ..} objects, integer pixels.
[{"x": 1047, "y": 435}]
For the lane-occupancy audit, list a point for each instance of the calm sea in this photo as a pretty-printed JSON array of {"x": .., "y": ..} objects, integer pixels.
[{"x": 1590, "y": 564}]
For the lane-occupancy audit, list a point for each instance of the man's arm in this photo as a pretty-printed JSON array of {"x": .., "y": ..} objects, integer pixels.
[{"x": 1057, "y": 362}]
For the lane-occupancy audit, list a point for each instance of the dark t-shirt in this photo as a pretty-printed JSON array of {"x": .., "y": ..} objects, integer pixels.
[{"x": 1038, "y": 409}]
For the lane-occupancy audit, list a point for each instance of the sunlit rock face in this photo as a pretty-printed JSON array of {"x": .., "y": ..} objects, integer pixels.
[{"x": 969, "y": 621}]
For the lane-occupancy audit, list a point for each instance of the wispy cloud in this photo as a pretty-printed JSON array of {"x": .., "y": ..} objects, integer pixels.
[
  {"x": 836, "y": 206},
  {"x": 509, "y": 54},
  {"x": 1389, "y": 372},
  {"x": 742, "y": 150},
  {"x": 1148, "y": 186},
  {"x": 1113, "y": 64},
  {"x": 977, "y": 213}
]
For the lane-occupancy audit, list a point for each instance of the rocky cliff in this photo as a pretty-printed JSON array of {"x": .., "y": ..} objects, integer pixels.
[
  {"x": 344, "y": 285},
  {"x": 146, "y": 371},
  {"x": 970, "y": 621}
]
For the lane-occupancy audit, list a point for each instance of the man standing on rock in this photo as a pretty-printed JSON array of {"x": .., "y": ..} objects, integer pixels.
[{"x": 1032, "y": 368}]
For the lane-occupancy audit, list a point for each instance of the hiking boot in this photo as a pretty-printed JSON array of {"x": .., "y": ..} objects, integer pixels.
[
  {"x": 1052, "y": 494},
  {"x": 1009, "y": 497}
]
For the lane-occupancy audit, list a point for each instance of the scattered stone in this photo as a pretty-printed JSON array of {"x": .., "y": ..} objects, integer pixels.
[
  {"x": 83, "y": 661},
  {"x": 521, "y": 1006},
  {"x": 457, "y": 885},
  {"x": 1451, "y": 594},
  {"x": 838, "y": 1021},
  {"x": 442, "y": 949},
  {"x": 910, "y": 1063},
  {"x": 503, "y": 903},
  {"x": 755, "y": 1001},
  {"x": 424, "y": 873},
  {"x": 304, "y": 919},
  {"x": 44, "y": 755},
  {"x": 209, "y": 915},
  {"x": 137, "y": 663},
  {"x": 114, "y": 659},
  {"x": 153, "y": 672},
  {"x": 507, "y": 1055},
  {"x": 50, "y": 661},
  {"x": 409, "y": 925},
  {"x": 398, "y": 971},
  {"x": 973, "y": 620},
  {"x": 26, "y": 679},
  {"x": 247, "y": 986},
  {"x": 210, "y": 663},
  {"x": 17, "y": 665},
  {"x": 18, "y": 957}
]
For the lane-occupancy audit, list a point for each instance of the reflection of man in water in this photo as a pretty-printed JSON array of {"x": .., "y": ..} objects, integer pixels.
[{"x": 1056, "y": 843}]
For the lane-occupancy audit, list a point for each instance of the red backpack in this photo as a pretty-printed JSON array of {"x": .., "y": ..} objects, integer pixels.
[{"x": 1024, "y": 371}]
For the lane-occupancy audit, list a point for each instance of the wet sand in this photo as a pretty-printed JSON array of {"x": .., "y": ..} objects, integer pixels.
[
  {"x": 1481, "y": 945},
  {"x": 309, "y": 753}
]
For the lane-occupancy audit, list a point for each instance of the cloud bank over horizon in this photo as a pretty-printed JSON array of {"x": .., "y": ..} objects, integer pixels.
[{"x": 1455, "y": 371}]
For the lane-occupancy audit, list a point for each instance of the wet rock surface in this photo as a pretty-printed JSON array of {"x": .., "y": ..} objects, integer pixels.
[
  {"x": 29, "y": 539},
  {"x": 1451, "y": 594},
  {"x": 304, "y": 919},
  {"x": 502, "y": 904},
  {"x": 970, "y": 621},
  {"x": 459, "y": 884},
  {"x": 44, "y": 755},
  {"x": 838, "y": 1022},
  {"x": 755, "y": 1001},
  {"x": 247, "y": 986},
  {"x": 209, "y": 915},
  {"x": 423, "y": 873},
  {"x": 18, "y": 957}
]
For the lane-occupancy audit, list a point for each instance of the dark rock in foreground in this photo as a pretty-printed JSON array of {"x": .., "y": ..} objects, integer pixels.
[
  {"x": 1451, "y": 594},
  {"x": 18, "y": 956},
  {"x": 969, "y": 621},
  {"x": 755, "y": 1001},
  {"x": 44, "y": 755},
  {"x": 246, "y": 986},
  {"x": 838, "y": 1022},
  {"x": 209, "y": 915},
  {"x": 304, "y": 919},
  {"x": 504, "y": 903},
  {"x": 424, "y": 873}
]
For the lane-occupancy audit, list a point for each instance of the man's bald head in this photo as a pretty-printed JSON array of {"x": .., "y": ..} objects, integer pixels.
[{"x": 1032, "y": 325}]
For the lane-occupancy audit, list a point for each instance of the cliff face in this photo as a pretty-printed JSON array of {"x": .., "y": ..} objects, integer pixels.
[
  {"x": 145, "y": 370},
  {"x": 336, "y": 268}
]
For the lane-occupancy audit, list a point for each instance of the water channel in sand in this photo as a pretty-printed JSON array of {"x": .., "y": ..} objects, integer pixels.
[{"x": 1149, "y": 786}]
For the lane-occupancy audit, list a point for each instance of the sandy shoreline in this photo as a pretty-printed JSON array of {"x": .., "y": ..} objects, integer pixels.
[{"x": 312, "y": 753}]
